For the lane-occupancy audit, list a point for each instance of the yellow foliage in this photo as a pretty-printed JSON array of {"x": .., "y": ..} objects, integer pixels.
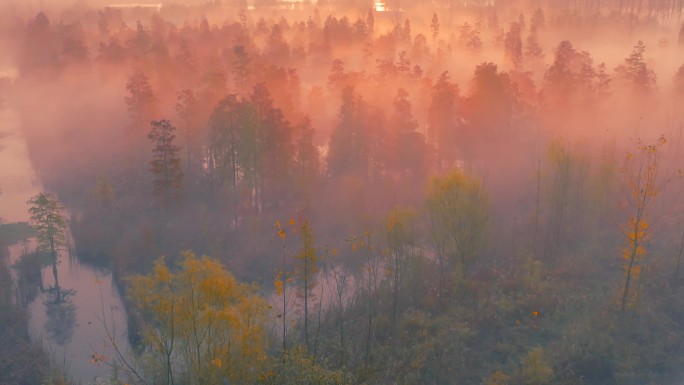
[
  {"x": 498, "y": 378},
  {"x": 202, "y": 315},
  {"x": 641, "y": 179},
  {"x": 278, "y": 283},
  {"x": 537, "y": 370},
  {"x": 459, "y": 210}
]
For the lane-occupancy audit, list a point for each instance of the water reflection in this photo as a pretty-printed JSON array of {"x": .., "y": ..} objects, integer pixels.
[
  {"x": 61, "y": 314},
  {"x": 57, "y": 300},
  {"x": 68, "y": 304},
  {"x": 28, "y": 279}
]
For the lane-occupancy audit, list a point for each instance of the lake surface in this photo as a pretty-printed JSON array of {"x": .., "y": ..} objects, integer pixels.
[{"x": 67, "y": 319}]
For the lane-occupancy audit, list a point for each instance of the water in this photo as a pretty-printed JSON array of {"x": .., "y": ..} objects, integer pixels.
[{"x": 76, "y": 320}]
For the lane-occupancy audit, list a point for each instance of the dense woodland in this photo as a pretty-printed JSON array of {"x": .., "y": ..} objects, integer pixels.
[{"x": 335, "y": 193}]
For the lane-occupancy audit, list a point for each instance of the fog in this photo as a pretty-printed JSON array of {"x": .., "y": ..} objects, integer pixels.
[{"x": 488, "y": 192}]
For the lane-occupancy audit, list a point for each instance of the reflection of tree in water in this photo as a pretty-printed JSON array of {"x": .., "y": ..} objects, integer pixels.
[
  {"x": 29, "y": 280},
  {"x": 51, "y": 237},
  {"x": 61, "y": 314}
]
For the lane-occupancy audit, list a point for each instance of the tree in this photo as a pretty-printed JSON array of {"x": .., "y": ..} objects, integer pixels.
[
  {"x": 572, "y": 78},
  {"x": 141, "y": 102},
  {"x": 271, "y": 149},
  {"x": 442, "y": 119},
  {"x": 401, "y": 238},
  {"x": 513, "y": 47},
  {"x": 307, "y": 165},
  {"x": 564, "y": 172},
  {"x": 537, "y": 21},
  {"x": 679, "y": 82},
  {"x": 348, "y": 147},
  {"x": 166, "y": 163},
  {"x": 50, "y": 226},
  {"x": 200, "y": 324},
  {"x": 188, "y": 110},
  {"x": 306, "y": 272},
  {"x": 536, "y": 371},
  {"x": 298, "y": 367},
  {"x": 635, "y": 72},
  {"x": 370, "y": 21},
  {"x": 407, "y": 145},
  {"x": 469, "y": 38},
  {"x": 490, "y": 106},
  {"x": 458, "y": 210},
  {"x": 642, "y": 184},
  {"x": 533, "y": 50},
  {"x": 241, "y": 68},
  {"x": 434, "y": 26}
]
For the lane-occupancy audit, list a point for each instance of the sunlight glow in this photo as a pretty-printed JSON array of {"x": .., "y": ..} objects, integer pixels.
[{"x": 156, "y": 6}]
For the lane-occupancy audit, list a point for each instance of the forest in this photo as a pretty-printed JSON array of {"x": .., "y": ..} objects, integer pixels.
[{"x": 344, "y": 192}]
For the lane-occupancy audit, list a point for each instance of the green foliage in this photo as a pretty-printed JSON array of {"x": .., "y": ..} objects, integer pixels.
[
  {"x": 297, "y": 367},
  {"x": 49, "y": 224}
]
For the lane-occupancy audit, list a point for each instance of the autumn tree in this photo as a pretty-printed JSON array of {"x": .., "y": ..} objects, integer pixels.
[
  {"x": 536, "y": 369},
  {"x": 306, "y": 272},
  {"x": 166, "y": 162},
  {"x": 402, "y": 241},
  {"x": 200, "y": 323},
  {"x": 298, "y": 367},
  {"x": 642, "y": 183},
  {"x": 281, "y": 283},
  {"x": 458, "y": 210}
]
